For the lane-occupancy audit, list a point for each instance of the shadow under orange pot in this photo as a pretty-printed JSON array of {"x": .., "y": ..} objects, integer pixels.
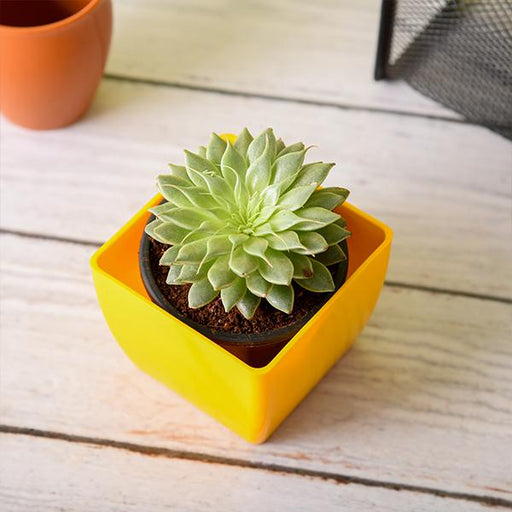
[{"x": 52, "y": 56}]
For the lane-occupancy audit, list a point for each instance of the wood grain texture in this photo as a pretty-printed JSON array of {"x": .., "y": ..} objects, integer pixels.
[
  {"x": 73, "y": 477},
  {"x": 424, "y": 398},
  {"x": 443, "y": 187},
  {"x": 321, "y": 51}
]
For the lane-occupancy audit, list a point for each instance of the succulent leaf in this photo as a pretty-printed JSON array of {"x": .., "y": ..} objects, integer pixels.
[
  {"x": 248, "y": 304},
  {"x": 314, "y": 243},
  {"x": 233, "y": 166},
  {"x": 201, "y": 293},
  {"x": 246, "y": 219},
  {"x": 329, "y": 198},
  {"x": 280, "y": 146},
  {"x": 231, "y": 295},
  {"x": 298, "y": 146},
  {"x": 288, "y": 165},
  {"x": 242, "y": 263},
  {"x": 238, "y": 239},
  {"x": 315, "y": 218},
  {"x": 279, "y": 269},
  {"x": 332, "y": 255},
  {"x": 258, "y": 145},
  {"x": 169, "y": 256},
  {"x": 258, "y": 285},
  {"x": 179, "y": 171},
  {"x": 193, "y": 252},
  {"x": 190, "y": 218},
  {"x": 199, "y": 164},
  {"x": 258, "y": 174},
  {"x": 312, "y": 173},
  {"x": 285, "y": 241},
  {"x": 218, "y": 246},
  {"x": 220, "y": 275},
  {"x": 150, "y": 229},
  {"x": 171, "y": 179},
  {"x": 243, "y": 141},
  {"x": 256, "y": 246},
  {"x": 192, "y": 273},
  {"x": 281, "y": 297},
  {"x": 169, "y": 232},
  {"x": 320, "y": 281},
  {"x": 284, "y": 220},
  {"x": 173, "y": 275},
  {"x": 297, "y": 197},
  {"x": 334, "y": 233},
  {"x": 302, "y": 266},
  {"x": 215, "y": 149},
  {"x": 162, "y": 209}
]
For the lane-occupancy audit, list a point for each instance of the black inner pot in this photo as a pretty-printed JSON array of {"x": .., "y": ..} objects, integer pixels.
[{"x": 255, "y": 349}]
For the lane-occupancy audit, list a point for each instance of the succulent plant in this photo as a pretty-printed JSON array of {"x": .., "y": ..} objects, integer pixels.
[{"x": 246, "y": 219}]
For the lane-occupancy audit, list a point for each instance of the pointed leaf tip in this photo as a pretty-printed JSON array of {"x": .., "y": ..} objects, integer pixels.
[
  {"x": 281, "y": 297},
  {"x": 201, "y": 293}
]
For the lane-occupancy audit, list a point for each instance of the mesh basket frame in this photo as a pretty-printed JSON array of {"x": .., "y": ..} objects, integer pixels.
[{"x": 457, "y": 52}]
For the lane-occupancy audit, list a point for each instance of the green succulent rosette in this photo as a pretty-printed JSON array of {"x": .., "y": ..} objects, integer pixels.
[{"x": 245, "y": 220}]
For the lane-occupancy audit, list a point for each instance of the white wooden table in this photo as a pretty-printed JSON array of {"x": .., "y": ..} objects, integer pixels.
[{"x": 418, "y": 416}]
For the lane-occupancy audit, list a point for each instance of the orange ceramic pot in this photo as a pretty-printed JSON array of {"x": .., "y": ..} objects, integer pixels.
[{"x": 52, "y": 56}]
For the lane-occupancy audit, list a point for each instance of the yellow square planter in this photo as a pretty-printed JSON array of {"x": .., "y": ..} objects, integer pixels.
[{"x": 250, "y": 401}]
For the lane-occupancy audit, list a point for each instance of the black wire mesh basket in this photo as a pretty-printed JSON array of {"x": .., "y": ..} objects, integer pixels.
[{"x": 458, "y": 52}]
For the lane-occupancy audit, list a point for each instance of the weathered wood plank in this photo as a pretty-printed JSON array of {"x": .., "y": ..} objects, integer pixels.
[
  {"x": 38, "y": 473},
  {"x": 443, "y": 187},
  {"x": 322, "y": 51},
  {"x": 424, "y": 397}
]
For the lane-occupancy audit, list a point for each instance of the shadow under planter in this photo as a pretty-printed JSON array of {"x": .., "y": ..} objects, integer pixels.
[{"x": 252, "y": 402}]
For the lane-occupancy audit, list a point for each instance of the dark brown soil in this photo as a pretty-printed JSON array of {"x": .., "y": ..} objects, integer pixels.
[{"x": 213, "y": 315}]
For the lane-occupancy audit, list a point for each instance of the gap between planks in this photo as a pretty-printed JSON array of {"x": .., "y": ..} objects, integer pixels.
[
  {"x": 394, "y": 284},
  {"x": 274, "y": 97},
  {"x": 168, "y": 453}
]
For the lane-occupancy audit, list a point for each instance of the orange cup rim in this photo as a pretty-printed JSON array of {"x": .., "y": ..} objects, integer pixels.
[{"x": 91, "y": 5}]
